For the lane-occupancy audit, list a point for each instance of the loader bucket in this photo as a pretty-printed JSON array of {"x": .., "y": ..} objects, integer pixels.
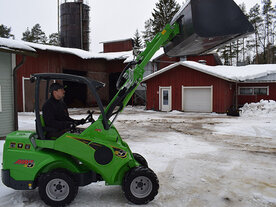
[{"x": 205, "y": 25}]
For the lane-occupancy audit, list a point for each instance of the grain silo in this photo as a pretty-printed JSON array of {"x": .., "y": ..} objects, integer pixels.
[{"x": 74, "y": 28}]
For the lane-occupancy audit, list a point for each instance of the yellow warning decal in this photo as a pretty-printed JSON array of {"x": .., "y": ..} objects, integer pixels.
[{"x": 163, "y": 32}]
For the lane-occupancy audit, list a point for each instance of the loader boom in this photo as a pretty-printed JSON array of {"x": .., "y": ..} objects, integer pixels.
[
  {"x": 133, "y": 77},
  {"x": 198, "y": 27}
]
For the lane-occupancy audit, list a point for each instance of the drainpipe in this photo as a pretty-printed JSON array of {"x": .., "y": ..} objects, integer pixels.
[
  {"x": 236, "y": 98},
  {"x": 15, "y": 91}
]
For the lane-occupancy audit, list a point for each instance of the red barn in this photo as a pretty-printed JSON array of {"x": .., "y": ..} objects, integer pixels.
[
  {"x": 118, "y": 45},
  {"x": 104, "y": 67},
  {"x": 195, "y": 87},
  {"x": 161, "y": 60}
]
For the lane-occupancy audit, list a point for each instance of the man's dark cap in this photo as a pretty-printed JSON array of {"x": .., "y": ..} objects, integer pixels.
[{"x": 55, "y": 87}]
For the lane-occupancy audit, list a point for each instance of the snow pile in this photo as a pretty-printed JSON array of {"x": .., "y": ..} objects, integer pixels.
[
  {"x": 264, "y": 107},
  {"x": 256, "y": 120}
]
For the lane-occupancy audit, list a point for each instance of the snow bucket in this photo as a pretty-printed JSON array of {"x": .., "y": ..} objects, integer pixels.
[{"x": 205, "y": 25}]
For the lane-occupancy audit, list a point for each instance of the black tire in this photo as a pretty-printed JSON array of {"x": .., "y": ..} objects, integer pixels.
[
  {"x": 139, "y": 158},
  {"x": 140, "y": 185},
  {"x": 57, "y": 189}
]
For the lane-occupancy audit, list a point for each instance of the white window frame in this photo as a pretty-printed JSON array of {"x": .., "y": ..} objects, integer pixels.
[
  {"x": 253, "y": 87},
  {"x": 199, "y": 87},
  {"x": 0, "y": 99},
  {"x": 160, "y": 96}
]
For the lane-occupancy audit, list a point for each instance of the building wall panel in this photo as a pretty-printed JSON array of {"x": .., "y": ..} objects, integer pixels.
[
  {"x": 118, "y": 46},
  {"x": 242, "y": 99},
  {"x": 53, "y": 62},
  {"x": 7, "y": 95},
  {"x": 183, "y": 76}
]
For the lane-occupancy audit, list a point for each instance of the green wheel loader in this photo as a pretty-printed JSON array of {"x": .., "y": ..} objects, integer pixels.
[{"x": 58, "y": 167}]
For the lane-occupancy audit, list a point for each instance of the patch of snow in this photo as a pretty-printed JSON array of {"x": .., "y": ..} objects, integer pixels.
[
  {"x": 82, "y": 53},
  {"x": 262, "y": 108},
  {"x": 15, "y": 44},
  {"x": 195, "y": 167},
  {"x": 256, "y": 120},
  {"x": 240, "y": 73},
  {"x": 231, "y": 73}
]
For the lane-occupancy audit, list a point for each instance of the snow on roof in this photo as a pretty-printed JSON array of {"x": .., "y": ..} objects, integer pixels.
[
  {"x": 230, "y": 73},
  {"x": 158, "y": 53},
  {"x": 120, "y": 40},
  {"x": 178, "y": 14},
  {"x": 9, "y": 44},
  {"x": 82, "y": 53}
]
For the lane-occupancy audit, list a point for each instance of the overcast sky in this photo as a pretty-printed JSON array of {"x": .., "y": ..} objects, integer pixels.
[{"x": 109, "y": 19}]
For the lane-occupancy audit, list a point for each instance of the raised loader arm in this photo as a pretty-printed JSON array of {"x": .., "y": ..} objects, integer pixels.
[
  {"x": 130, "y": 78},
  {"x": 198, "y": 27}
]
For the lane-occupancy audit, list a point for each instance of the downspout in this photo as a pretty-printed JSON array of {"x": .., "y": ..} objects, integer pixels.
[
  {"x": 236, "y": 98},
  {"x": 15, "y": 91}
]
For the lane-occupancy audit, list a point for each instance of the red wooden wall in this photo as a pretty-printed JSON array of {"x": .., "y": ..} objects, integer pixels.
[
  {"x": 164, "y": 60},
  {"x": 223, "y": 91},
  {"x": 53, "y": 62},
  {"x": 210, "y": 59},
  {"x": 179, "y": 76},
  {"x": 118, "y": 46},
  {"x": 242, "y": 99}
]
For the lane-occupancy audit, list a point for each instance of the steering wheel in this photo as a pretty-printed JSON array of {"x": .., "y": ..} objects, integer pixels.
[{"x": 121, "y": 80}]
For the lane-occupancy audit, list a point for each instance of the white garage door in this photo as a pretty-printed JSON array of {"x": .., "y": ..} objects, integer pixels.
[{"x": 197, "y": 99}]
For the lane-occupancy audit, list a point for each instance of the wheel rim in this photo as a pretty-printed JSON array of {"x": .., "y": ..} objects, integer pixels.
[
  {"x": 141, "y": 187},
  {"x": 57, "y": 189}
]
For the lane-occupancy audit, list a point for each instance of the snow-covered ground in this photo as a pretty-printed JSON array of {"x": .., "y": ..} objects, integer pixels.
[{"x": 209, "y": 160}]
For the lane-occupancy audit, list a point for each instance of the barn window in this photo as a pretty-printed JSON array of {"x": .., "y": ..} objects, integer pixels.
[{"x": 254, "y": 90}]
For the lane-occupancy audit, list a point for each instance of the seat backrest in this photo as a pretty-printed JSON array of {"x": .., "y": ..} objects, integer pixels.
[{"x": 44, "y": 128}]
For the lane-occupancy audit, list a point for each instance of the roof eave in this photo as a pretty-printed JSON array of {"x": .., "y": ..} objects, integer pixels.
[{"x": 18, "y": 51}]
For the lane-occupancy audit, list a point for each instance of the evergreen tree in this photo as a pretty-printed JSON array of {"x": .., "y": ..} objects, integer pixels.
[
  {"x": 36, "y": 35},
  {"x": 137, "y": 42},
  {"x": 5, "y": 31},
  {"x": 161, "y": 15},
  {"x": 256, "y": 20},
  {"x": 242, "y": 40},
  {"x": 227, "y": 53},
  {"x": 27, "y": 36},
  {"x": 137, "y": 39},
  {"x": 148, "y": 33},
  {"x": 268, "y": 14},
  {"x": 54, "y": 39}
]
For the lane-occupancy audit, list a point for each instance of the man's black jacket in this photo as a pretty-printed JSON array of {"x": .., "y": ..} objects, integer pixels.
[{"x": 55, "y": 115}]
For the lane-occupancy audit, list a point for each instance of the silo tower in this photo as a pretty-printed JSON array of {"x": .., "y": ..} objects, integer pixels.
[{"x": 74, "y": 27}]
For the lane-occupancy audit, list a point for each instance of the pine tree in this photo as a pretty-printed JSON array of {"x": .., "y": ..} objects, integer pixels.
[
  {"x": 268, "y": 14},
  {"x": 27, "y": 36},
  {"x": 36, "y": 35},
  {"x": 137, "y": 42},
  {"x": 161, "y": 15},
  {"x": 227, "y": 53},
  {"x": 54, "y": 39},
  {"x": 243, "y": 40},
  {"x": 256, "y": 20},
  {"x": 5, "y": 31},
  {"x": 148, "y": 33}
]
